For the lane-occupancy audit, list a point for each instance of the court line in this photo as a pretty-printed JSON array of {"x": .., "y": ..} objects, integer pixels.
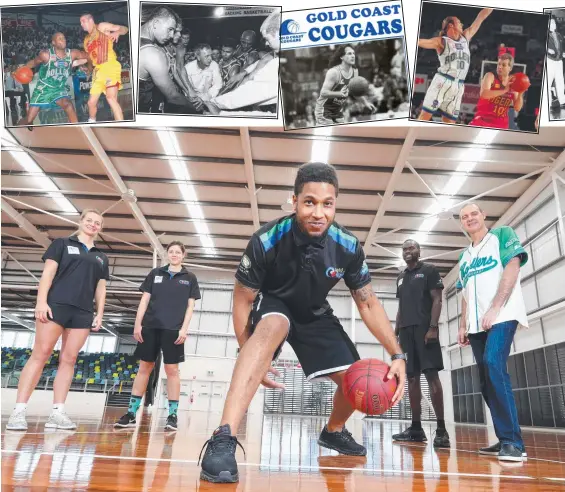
[
  {"x": 302, "y": 467},
  {"x": 474, "y": 452}
]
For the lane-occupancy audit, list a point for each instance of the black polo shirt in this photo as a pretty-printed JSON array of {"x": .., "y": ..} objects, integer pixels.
[
  {"x": 79, "y": 271},
  {"x": 170, "y": 293},
  {"x": 413, "y": 290},
  {"x": 283, "y": 261}
]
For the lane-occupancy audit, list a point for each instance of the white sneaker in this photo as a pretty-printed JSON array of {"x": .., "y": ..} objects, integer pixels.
[
  {"x": 91, "y": 120},
  {"x": 60, "y": 420},
  {"x": 17, "y": 421}
]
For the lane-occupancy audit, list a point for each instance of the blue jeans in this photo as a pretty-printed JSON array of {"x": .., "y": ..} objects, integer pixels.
[{"x": 491, "y": 350}]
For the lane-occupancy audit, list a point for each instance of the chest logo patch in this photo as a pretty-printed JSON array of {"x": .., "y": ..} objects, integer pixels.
[
  {"x": 73, "y": 250},
  {"x": 419, "y": 275},
  {"x": 184, "y": 282},
  {"x": 158, "y": 279},
  {"x": 333, "y": 272},
  {"x": 478, "y": 265}
]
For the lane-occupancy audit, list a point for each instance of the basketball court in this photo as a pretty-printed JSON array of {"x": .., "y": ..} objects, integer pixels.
[{"x": 211, "y": 188}]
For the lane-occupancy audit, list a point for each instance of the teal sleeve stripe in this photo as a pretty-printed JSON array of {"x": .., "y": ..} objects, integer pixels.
[
  {"x": 343, "y": 239},
  {"x": 274, "y": 235},
  {"x": 521, "y": 252}
]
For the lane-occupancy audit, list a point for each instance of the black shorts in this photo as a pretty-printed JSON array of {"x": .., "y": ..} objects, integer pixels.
[
  {"x": 322, "y": 346},
  {"x": 156, "y": 340},
  {"x": 421, "y": 357},
  {"x": 71, "y": 316}
]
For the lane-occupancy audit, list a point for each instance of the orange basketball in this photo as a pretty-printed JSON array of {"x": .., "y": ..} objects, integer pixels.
[
  {"x": 521, "y": 82},
  {"x": 366, "y": 387},
  {"x": 23, "y": 75}
]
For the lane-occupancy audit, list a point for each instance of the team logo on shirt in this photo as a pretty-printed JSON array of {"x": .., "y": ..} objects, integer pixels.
[
  {"x": 245, "y": 264},
  {"x": 73, "y": 250},
  {"x": 184, "y": 282},
  {"x": 100, "y": 260},
  {"x": 158, "y": 279},
  {"x": 333, "y": 272},
  {"x": 480, "y": 264},
  {"x": 364, "y": 268},
  {"x": 419, "y": 275}
]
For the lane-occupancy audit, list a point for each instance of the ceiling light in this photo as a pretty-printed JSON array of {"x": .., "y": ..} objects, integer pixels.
[
  {"x": 40, "y": 178},
  {"x": 178, "y": 166},
  {"x": 219, "y": 11},
  {"x": 321, "y": 147}
]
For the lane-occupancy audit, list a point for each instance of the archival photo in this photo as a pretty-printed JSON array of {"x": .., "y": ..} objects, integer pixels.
[
  {"x": 66, "y": 63},
  {"x": 554, "y": 64},
  {"x": 481, "y": 67},
  {"x": 209, "y": 60},
  {"x": 343, "y": 65}
]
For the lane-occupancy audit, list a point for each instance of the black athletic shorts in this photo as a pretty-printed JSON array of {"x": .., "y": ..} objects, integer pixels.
[
  {"x": 157, "y": 340},
  {"x": 322, "y": 346},
  {"x": 71, "y": 316},
  {"x": 421, "y": 357}
]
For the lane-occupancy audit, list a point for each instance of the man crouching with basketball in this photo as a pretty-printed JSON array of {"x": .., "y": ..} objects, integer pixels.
[{"x": 282, "y": 282}]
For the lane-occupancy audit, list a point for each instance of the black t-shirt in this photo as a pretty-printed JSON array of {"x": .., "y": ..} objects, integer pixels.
[
  {"x": 283, "y": 261},
  {"x": 413, "y": 290},
  {"x": 78, "y": 273},
  {"x": 170, "y": 293}
]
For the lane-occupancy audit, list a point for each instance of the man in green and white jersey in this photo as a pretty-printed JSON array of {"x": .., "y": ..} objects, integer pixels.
[
  {"x": 491, "y": 309},
  {"x": 55, "y": 65}
]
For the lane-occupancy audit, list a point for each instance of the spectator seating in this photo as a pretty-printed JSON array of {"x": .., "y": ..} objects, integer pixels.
[{"x": 92, "y": 368}]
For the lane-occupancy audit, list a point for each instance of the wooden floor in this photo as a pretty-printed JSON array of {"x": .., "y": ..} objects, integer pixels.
[{"x": 282, "y": 455}]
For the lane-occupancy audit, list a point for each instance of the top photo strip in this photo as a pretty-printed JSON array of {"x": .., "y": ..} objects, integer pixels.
[
  {"x": 66, "y": 63},
  {"x": 209, "y": 60},
  {"x": 342, "y": 65},
  {"x": 480, "y": 67}
]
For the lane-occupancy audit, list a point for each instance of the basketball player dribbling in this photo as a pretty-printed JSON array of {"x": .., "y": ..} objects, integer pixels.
[
  {"x": 334, "y": 92},
  {"x": 55, "y": 66},
  {"x": 496, "y": 97},
  {"x": 445, "y": 93},
  {"x": 107, "y": 75}
]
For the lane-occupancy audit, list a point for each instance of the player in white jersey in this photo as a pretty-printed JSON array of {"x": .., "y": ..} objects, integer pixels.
[{"x": 446, "y": 90}]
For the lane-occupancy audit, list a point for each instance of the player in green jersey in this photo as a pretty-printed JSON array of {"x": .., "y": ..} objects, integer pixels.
[{"x": 55, "y": 66}]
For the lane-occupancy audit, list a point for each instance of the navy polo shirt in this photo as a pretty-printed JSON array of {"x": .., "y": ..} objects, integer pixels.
[
  {"x": 78, "y": 273},
  {"x": 284, "y": 262},
  {"x": 170, "y": 293},
  {"x": 413, "y": 291}
]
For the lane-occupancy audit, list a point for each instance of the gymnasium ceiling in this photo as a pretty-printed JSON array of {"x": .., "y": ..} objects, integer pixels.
[{"x": 212, "y": 187}]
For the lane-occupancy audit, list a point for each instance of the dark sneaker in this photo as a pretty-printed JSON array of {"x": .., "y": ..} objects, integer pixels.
[
  {"x": 509, "y": 452},
  {"x": 219, "y": 464},
  {"x": 494, "y": 450},
  {"x": 441, "y": 439},
  {"x": 127, "y": 420},
  {"x": 413, "y": 435},
  {"x": 342, "y": 442},
  {"x": 171, "y": 422}
]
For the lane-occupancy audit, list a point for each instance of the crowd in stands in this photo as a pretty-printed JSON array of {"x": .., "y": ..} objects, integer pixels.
[
  {"x": 21, "y": 44},
  {"x": 91, "y": 368}
]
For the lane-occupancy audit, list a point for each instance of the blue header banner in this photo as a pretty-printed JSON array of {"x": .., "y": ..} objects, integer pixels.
[{"x": 337, "y": 25}]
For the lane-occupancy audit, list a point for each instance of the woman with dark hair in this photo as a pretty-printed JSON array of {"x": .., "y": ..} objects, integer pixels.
[
  {"x": 334, "y": 92},
  {"x": 161, "y": 324}
]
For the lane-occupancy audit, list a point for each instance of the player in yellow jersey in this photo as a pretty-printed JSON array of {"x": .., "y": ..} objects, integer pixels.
[{"x": 102, "y": 58}]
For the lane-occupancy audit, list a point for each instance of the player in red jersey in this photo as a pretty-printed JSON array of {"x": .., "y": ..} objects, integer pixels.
[{"x": 497, "y": 97}]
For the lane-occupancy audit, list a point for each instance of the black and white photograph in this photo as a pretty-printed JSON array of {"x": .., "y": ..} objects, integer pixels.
[
  {"x": 481, "y": 67},
  {"x": 554, "y": 64},
  {"x": 66, "y": 63},
  {"x": 343, "y": 65},
  {"x": 209, "y": 60}
]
